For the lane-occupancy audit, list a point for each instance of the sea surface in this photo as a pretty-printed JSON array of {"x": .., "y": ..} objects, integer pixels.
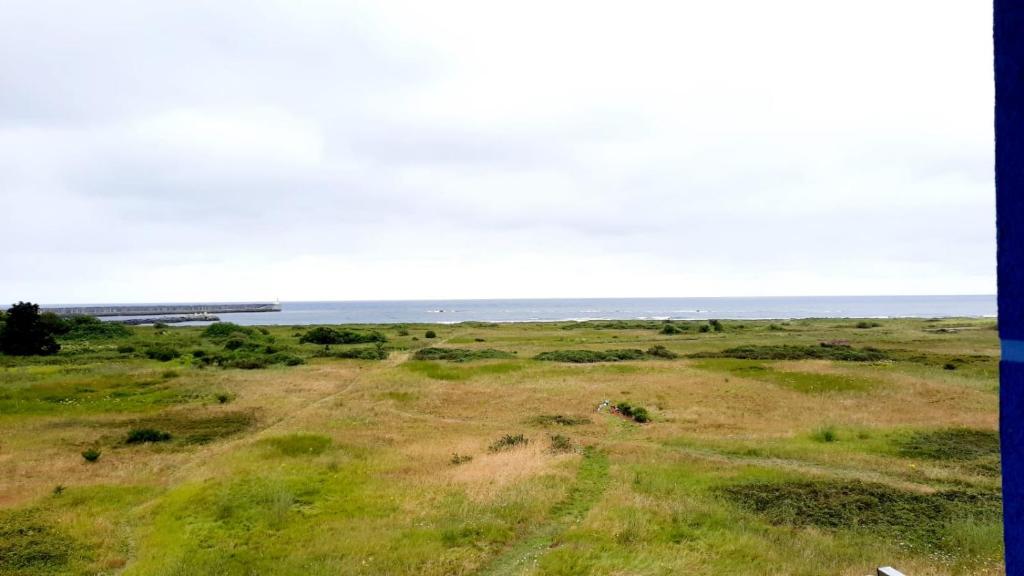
[{"x": 450, "y": 311}]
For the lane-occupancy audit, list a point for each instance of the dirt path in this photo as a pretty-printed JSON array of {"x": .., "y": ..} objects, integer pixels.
[{"x": 591, "y": 481}]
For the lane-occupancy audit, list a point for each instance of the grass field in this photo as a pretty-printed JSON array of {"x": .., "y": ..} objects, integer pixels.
[{"x": 766, "y": 452}]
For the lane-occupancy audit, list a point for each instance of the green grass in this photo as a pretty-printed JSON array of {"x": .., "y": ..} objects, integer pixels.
[
  {"x": 799, "y": 462},
  {"x": 806, "y": 382}
]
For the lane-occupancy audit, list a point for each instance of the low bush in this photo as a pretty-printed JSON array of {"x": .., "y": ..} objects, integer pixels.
[
  {"x": 161, "y": 352},
  {"x": 125, "y": 349},
  {"x": 225, "y": 330},
  {"x": 953, "y": 444},
  {"x": 637, "y": 413},
  {"x": 716, "y": 325},
  {"x": 792, "y": 352},
  {"x": 460, "y": 459},
  {"x": 90, "y": 328},
  {"x": 590, "y": 356},
  {"x": 704, "y": 328},
  {"x": 91, "y": 454},
  {"x": 561, "y": 444},
  {"x": 826, "y": 434},
  {"x": 144, "y": 435},
  {"x": 560, "y": 420},
  {"x": 670, "y": 328},
  {"x": 430, "y": 334},
  {"x": 358, "y": 353},
  {"x": 223, "y": 398},
  {"x": 865, "y": 324},
  {"x": 327, "y": 336},
  {"x": 659, "y": 351},
  {"x": 914, "y": 519},
  {"x": 460, "y": 354},
  {"x": 507, "y": 442}
]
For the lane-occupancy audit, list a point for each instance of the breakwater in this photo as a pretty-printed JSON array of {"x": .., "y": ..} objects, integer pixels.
[
  {"x": 169, "y": 319},
  {"x": 162, "y": 309}
]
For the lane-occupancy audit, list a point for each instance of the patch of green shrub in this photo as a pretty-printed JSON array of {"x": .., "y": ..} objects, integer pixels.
[
  {"x": 704, "y": 328},
  {"x": 637, "y": 413},
  {"x": 327, "y": 336},
  {"x": 590, "y": 356},
  {"x": 91, "y": 328},
  {"x": 430, "y": 334},
  {"x": 670, "y": 328},
  {"x": 376, "y": 352},
  {"x": 826, "y": 434},
  {"x": 91, "y": 454},
  {"x": 561, "y": 444},
  {"x": 914, "y": 519},
  {"x": 507, "y": 442},
  {"x": 460, "y": 354},
  {"x": 716, "y": 325},
  {"x": 198, "y": 427},
  {"x": 457, "y": 459},
  {"x": 863, "y": 324},
  {"x": 219, "y": 330},
  {"x": 659, "y": 351},
  {"x": 144, "y": 435},
  {"x": 29, "y": 546},
  {"x": 161, "y": 352},
  {"x": 792, "y": 352},
  {"x": 560, "y": 420},
  {"x": 125, "y": 349},
  {"x": 954, "y": 444}
]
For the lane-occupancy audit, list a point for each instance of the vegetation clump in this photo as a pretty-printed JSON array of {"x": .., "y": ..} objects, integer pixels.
[
  {"x": 560, "y": 420},
  {"x": 457, "y": 459},
  {"x": 430, "y": 334},
  {"x": 793, "y": 352},
  {"x": 590, "y": 356},
  {"x": 659, "y": 351},
  {"x": 146, "y": 435},
  {"x": 507, "y": 442},
  {"x": 618, "y": 355},
  {"x": 25, "y": 332},
  {"x": 91, "y": 454},
  {"x": 327, "y": 336},
  {"x": 639, "y": 414},
  {"x": 161, "y": 352},
  {"x": 561, "y": 444},
  {"x": 460, "y": 354},
  {"x": 92, "y": 328},
  {"x": 672, "y": 328},
  {"x": 219, "y": 330},
  {"x": 912, "y": 518},
  {"x": 376, "y": 352},
  {"x": 954, "y": 444},
  {"x": 864, "y": 324},
  {"x": 30, "y": 546},
  {"x": 197, "y": 428}
]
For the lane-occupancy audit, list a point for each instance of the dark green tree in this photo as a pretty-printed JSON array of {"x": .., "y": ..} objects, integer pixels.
[{"x": 26, "y": 333}]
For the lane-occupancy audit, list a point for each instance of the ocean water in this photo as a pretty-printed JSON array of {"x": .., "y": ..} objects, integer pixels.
[{"x": 450, "y": 311}]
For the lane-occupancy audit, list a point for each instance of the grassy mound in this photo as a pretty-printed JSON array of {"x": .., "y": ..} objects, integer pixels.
[
  {"x": 560, "y": 420},
  {"x": 460, "y": 354}
]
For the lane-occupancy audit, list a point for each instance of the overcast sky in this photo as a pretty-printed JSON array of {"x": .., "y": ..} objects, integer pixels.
[{"x": 241, "y": 150}]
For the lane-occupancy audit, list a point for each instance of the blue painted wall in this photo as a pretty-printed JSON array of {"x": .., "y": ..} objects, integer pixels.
[{"x": 1008, "y": 34}]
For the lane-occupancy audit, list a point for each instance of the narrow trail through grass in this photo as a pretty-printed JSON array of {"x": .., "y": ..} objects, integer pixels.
[{"x": 591, "y": 481}]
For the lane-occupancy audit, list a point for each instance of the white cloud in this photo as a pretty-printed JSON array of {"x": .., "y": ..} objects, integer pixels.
[{"x": 323, "y": 150}]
